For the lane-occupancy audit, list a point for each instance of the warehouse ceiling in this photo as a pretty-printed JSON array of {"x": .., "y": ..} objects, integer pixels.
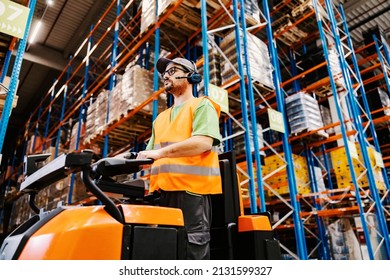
[
  {"x": 363, "y": 15},
  {"x": 66, "y": 23}
]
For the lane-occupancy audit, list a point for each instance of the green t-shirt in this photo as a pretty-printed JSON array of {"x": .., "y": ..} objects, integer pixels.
[{"x": 205, "y": 122}]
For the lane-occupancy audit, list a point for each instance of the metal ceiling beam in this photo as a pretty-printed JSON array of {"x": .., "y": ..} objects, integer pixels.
[
  {"x": 369, "y": 18},
  {"x": 83, "y": 29},
  {"x": 352, "y": 5},
  {"x": 46, "y": 56}
]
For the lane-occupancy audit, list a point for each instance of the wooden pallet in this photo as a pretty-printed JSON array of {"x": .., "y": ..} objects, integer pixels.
[
  {"x": 323, "y": 91},
  {"x": 264, "y": 89},
  {"x": 310, "y": 137}
]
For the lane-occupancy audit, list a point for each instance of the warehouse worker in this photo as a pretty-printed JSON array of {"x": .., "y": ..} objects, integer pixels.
[{"x": 186, "y": 168}]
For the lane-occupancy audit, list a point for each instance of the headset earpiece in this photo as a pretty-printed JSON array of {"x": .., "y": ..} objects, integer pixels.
[{"x": 194, "y": 77}]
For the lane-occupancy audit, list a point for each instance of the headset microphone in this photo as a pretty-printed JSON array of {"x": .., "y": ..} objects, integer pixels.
[{"x": 194, "y": 78}]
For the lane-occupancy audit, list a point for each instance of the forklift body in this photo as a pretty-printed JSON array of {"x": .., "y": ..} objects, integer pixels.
[{"x": 136, "y": 229}]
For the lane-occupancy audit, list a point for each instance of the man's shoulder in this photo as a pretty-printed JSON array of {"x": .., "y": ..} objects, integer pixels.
[{"x": 204, "y": 100}]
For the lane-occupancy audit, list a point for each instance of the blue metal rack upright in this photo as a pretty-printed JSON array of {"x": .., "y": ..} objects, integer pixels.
[
  {"x": 49, "y": 114},
  {"x": 155, "y": 71},
  {"x": 329, "y": 28},
  {"x": 298, "y": 225},
  {"x": 14, "y": 77},
  {"x": 256, "y": 182},
  {"x": 322, "y": 239},
  {"x": 112, "y": 80},
  {"x": 82, "y": 109},
  {"x": 323, "y": 37},
  {"x": 252, "y": 108},
  {"x": 324, "y": 251},
  {"x": 348, "y": 73},
  {"x": 64, "y": 101},
  {"x": 206, "y": 37},
  {"x": 243, "y": 94}
]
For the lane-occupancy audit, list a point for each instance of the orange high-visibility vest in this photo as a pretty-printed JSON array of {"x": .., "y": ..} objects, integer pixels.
[{"x": 197, "y": 174}]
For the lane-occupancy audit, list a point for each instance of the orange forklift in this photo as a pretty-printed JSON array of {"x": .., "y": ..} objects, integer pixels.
[{"x": 136, "y": 228}]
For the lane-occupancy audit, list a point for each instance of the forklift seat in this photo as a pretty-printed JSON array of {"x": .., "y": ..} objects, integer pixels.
[
  {"x": 257, "y": 242},
  {"x": 225, "y": 211}
]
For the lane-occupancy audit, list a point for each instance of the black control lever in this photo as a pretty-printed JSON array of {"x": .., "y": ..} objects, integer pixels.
[{"x": 109, "y": 167}]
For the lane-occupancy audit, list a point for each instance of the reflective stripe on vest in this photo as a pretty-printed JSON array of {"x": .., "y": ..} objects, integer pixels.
[{"x": 185, "y": 169}]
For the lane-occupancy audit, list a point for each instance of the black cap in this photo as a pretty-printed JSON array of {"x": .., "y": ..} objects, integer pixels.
[{"x": 163, "y": 62}]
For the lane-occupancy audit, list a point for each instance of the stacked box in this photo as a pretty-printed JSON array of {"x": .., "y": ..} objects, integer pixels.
[
  {"x": 239, "y": 141},
  {"x": 131, "y": 90},
  {"x": 38, "y": 141},
  {"x": 90, "y": 124},
  {"x": 214, "y": 70},
  {"x": 319, "y": 178},
  {"x": 115, "y": 103},
  {"x": 336, "y": 68},
  {"x": 57, "y": 192},
  {"x": 79, "y": 190},
  {"x": 303, "y": 113},
  {"x": 137, "y": 86},
  {"x": 101, "y": 109},
  {"x": 23, "y": 212},
  {"x": 326, "y": 118},
  {"x": 148, "y": 15},
  {"x": 252, "y": 12},
  {"x": 342, "y": 170},
  {"x": 279, "y": 182},
  {"x": 73, "y": 137},
  {"x": 258, "y": 56},
  {"x": 52, "y": 150}
]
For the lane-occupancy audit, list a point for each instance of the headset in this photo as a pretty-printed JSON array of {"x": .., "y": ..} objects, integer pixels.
[{"x": 193, "y": 77}]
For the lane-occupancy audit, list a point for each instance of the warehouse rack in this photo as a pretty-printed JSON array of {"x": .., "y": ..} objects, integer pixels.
[
  {"x": 14, "y": 78},
  {"x": 11, "y": 91},
  {"x": 304, "y": 212},
  {"x": 324, "y": 14},
  {"x": 353, "y": 111},
  {"x": 384, "y": 57}
]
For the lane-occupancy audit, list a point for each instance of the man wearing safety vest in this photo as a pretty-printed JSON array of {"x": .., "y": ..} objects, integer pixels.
[{"x": 186, "y": 168}]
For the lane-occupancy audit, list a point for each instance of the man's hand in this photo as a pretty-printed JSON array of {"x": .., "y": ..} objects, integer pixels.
[
  {"x": 153, "y": 154},
  {"x": 195, "y": 145}
]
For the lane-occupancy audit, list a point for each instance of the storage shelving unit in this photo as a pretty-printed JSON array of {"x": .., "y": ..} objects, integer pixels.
[
  {"x": 301, "y": 212},
  {"x": 330, "y": 31}
]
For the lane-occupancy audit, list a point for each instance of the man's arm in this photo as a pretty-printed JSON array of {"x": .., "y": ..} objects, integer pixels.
[{"x": 195, "y": 145}]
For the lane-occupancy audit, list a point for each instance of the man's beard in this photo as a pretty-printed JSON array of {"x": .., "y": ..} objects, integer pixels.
[
  {"x": 177, "y": 89},
  {"x": 168, "y": 87}
]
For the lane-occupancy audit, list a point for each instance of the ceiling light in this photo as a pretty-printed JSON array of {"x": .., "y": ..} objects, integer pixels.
[
  {"x": 50, "y": 2},
  {"x": 35, "y": 32}
]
